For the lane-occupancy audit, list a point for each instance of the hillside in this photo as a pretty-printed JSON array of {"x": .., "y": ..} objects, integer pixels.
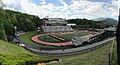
[
  {"x": 24, "y": 22},
  {"x": 95, "y": 57},
  {"x": 7, "y": 48},
  {"x": 11, "y": 54},
  {"x": 108, "y": 21}
]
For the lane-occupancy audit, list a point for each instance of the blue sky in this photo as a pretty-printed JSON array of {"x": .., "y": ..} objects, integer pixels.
[
  {"x": 56, "y": 2},
  {"x": 68, "y": 9},
  {"x": 36, "y": 1}
]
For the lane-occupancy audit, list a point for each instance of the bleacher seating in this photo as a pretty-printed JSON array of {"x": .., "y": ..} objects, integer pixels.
[
  {"x": 55, "y": 25},
  {"x": 50, "y": 29}
]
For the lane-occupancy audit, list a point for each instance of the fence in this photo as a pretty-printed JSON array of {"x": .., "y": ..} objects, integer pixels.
[{"x": 68, "y": 51}]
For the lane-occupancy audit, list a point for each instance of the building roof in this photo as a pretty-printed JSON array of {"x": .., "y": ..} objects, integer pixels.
[{"x": 55, "y": 20}]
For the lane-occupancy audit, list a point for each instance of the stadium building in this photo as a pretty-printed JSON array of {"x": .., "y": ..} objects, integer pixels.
[{"x": 55, "y": 25}]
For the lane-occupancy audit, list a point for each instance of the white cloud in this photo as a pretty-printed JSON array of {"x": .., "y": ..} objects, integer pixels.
[{"x": 77, "y": 8}]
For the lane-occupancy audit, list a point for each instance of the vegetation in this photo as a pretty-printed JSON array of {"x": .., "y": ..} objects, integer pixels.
[
  {"x": 70, "y": 36},
  {"x": 85, "y": 23},
  {"x": 114, "y": 53},
  {"x": 24, "y": 22},
  {"x": 48, "y": 38},
  {"x": 26, "y": 37},
  {"x": 108, "y": 21},
  {"x": 95, "y": 57},
  {"x": 11, "y": 54}
]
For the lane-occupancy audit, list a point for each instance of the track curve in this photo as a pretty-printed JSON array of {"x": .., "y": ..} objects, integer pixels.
[{"x": 35, "y": 39}]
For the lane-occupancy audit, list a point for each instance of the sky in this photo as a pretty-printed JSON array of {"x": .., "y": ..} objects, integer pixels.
[{"x": 67, "y": 9}]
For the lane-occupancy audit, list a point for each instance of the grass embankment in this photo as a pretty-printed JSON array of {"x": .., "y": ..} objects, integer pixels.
[
  {"x": 95, "y": 57},
  {"x": 11, "y": 54},
  {"x": 114, "y": 53},
  {"x": 26, "y": 37}
]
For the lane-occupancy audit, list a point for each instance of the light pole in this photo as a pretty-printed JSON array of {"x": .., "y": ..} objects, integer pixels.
[
  {"x": 15, "y": 28},
  {"x": 38, "y": 30}
]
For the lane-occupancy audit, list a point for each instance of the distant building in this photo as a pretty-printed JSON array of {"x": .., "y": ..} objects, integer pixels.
[
  {"x": 55, "y": 25},
  {"x": 54, "y": 21}
]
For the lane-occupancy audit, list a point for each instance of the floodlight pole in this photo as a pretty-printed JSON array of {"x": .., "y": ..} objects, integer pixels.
[
  {"x": 118, "y": 40},
  {"x": 15, "y": 28}
]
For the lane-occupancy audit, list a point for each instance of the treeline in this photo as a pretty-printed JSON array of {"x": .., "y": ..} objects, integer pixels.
[
  {"x": 24, "y": 22},
  {"x": 88, "y": 23}
]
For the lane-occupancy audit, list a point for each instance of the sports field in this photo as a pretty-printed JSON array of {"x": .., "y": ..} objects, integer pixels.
[
  {"x": 95, "y": 57},
  {"x": 26, "y": 37},
  {"x": 71, "y": 35}
]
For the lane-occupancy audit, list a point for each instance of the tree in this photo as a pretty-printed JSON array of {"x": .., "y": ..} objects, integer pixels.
[
  {"x": 8, "y": 27},
  {"x": 2, "y": 32}
]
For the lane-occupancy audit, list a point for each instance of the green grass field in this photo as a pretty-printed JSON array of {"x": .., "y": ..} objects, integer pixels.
[
  {"x": 11, "y": 54},
  {"x": 26, "y": 37},
  {"x": 48, "y": 38},
  {"x": 95, "y": 57},
  {"x": 70, "y": 36}
]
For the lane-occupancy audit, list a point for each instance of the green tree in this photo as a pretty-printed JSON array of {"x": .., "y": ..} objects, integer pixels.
[{"x": 8, "y": 27}]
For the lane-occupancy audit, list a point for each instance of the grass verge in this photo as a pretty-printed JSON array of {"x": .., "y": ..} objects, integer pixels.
[
  {"x": 11, "y": 54},
  {"x": 95, "y": 57}
]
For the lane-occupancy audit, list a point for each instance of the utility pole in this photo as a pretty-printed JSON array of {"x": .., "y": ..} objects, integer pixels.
[{"x": 118, "y": 40}]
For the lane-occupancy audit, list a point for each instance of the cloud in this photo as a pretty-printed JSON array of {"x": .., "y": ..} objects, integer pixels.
[{"x": 76, "y": 8}]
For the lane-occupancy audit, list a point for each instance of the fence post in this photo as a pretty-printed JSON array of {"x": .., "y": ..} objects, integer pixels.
[{"x": 109, "y": 58}]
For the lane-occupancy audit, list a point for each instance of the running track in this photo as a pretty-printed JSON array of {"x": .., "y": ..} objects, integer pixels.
[{"x": 35, "y": 39}]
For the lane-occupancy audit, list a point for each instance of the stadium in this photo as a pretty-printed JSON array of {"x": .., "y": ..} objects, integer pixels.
[
  {"x": 78, "y": 35},
  {"x": 56, "y": 34}
]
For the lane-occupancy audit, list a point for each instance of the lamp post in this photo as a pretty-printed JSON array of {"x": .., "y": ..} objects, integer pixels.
[
  {"x": 38, "y": 30},
  {"x": 15, "y": 28}
]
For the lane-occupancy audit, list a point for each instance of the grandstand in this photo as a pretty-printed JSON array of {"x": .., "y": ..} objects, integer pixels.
[{"x": 55, "y": 25}]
